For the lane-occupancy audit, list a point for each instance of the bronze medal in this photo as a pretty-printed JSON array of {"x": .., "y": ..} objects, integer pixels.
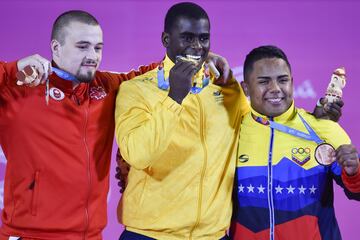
[{"x": 322, "y": 154}]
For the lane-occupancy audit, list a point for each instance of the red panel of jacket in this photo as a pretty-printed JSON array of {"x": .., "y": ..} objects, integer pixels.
[{"x": 58, "y": 155}]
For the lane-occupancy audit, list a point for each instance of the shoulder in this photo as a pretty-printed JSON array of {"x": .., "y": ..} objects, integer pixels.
[{"x": 328, "y": 130}]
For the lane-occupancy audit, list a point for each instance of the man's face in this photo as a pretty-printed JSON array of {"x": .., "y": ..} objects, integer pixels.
[
  {"x": 188, "y": 37},
  {"x": 270, "y": 87},
  {"x": 81, "y": 52}
]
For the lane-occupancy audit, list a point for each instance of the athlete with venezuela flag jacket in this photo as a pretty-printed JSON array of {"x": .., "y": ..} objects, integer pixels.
[{"x": 284, "y": 187}]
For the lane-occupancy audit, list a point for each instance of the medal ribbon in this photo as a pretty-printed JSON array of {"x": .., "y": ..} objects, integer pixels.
[
  {"x": 64, "y": 75},
  {"x": 311, "y": 136}
]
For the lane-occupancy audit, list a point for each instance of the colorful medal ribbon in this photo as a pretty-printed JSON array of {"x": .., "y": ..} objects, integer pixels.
[
  {"x": 311, "y": 136},
  {"x": 195, "y": 89}
]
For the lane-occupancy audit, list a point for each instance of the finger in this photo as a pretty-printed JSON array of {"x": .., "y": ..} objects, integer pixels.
[
  {"x": 339, "y": 103},
  {"x": 35, "y": 83},
  {"x": 323, "y": 101},
  {"x": 333, "y": 113},
  {"x": 19, "y": 83},
  {"x": 41, "y": 70}
]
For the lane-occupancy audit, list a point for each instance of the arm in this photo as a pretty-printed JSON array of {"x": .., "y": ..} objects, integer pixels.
[
  {"x": 345, "y": 169},
  {"x": 143, "y": 131},
  {"x": 118, "y": 77},
  {"x": 347, "y": 157},
  {"x": 10, "y": 72}
]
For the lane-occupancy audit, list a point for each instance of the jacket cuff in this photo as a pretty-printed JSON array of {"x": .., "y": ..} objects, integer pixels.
[
  {"x": 172, "y": 105},
  {"x": 352, "y": 183}
]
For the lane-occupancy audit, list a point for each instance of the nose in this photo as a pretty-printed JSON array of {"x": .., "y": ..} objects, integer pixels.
[
  {"x": 92, "y": 54},
  {"x": 196, "y": 44},
  {"x": 274, "y": 86}
]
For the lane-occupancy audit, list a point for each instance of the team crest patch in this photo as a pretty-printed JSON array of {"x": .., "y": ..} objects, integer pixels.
[
  {"x": 300, "y": 155},
  {"x": 56, "y": 94},
  {"x": 97, "y": 93}
]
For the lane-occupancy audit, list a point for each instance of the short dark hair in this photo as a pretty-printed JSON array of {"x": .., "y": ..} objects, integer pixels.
[
  {"x": 184, "y": 9},
  {"x": 66, "y": 18},
  {"x": 262, "y": 52}
]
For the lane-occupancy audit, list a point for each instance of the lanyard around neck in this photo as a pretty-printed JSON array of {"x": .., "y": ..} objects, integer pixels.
[
  {"x": 64, "y": 75},
  {"x": 310, "y": 136}
]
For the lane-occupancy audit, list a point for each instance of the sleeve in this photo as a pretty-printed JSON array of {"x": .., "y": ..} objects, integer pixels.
[
  {"x": 352, "y": 183},
  {"x": 143, "y": 131},
  {"x": 7, "y": 73},
  {"x": 233, "y": 93},
  {"x": 118, "y": 78}
]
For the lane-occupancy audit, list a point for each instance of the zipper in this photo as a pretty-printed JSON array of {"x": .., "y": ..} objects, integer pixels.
[
  {"x": 202, "y": 176},
  {"x": 270, "y": 186},
  {"x": 86, "y": 110}
]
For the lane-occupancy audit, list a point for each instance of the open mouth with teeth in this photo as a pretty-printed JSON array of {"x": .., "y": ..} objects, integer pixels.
[
  {"x": 274, "y": 100},
  {"x": 189, "y": 58}
]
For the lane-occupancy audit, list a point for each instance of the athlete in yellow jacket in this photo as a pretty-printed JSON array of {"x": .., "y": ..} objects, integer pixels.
[{"x": 173, "y": 126}]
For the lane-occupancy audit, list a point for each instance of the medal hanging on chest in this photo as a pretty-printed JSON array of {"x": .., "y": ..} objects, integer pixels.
[
  {"x": 198, "y": 84},
  {"x": 322, "y": 152}
]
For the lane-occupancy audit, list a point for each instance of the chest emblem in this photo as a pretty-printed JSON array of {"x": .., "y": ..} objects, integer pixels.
[
  {"x": 56, "y": 94},
  {"x": 97, "y": 93},
  {"x": 300, "y": 155}
]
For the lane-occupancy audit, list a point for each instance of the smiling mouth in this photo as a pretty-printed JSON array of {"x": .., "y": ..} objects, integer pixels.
[
  {"x": 277, "y": 100},
  {"x": 89, "y": 65},
  {"x": 189, "y": 58}
]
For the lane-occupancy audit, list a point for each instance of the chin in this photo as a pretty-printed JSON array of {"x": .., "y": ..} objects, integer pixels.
[{"x": 86, "y": 77}]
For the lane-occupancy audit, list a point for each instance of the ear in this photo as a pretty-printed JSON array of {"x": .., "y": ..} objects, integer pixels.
[
  {"x": 165, "y": 39},
  {"x": 245, "y": 88},
  {"x": 55, "y": 47}
]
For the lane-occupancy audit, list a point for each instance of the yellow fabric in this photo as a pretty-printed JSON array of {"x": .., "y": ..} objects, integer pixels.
[
  {"x": 182, "y": 158},
  {"x": 255, "y": 138}
]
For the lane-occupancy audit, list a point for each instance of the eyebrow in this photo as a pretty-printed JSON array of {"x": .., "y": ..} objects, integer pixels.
[
  {"x": 267, "y": 77},
  {"x": 194, "y": 34},
  {"x": 87, "y": 42}
]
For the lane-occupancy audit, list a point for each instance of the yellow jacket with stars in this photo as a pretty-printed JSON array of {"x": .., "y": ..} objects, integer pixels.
[{"x": 182, "y": 157}]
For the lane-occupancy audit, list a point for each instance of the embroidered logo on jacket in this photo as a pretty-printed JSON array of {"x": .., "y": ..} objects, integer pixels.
[
  {"x": 243, "y": 158},
  {"x": 300, "y": 155},
  {"x": 97, "y": 93},
  {"x": 56, "y": 94}
]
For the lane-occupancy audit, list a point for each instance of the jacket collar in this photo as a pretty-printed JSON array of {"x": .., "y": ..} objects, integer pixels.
[{"x": 286, "y": 116}]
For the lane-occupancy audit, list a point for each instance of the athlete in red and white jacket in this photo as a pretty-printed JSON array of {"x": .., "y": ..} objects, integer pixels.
[{"x": 58, "y": 154}]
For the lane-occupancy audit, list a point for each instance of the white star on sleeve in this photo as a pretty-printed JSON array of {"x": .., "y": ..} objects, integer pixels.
[{"x": 241, "y": 188}]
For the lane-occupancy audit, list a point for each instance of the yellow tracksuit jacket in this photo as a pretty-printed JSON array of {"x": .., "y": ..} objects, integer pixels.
[{"x": 183, "y": 157}]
